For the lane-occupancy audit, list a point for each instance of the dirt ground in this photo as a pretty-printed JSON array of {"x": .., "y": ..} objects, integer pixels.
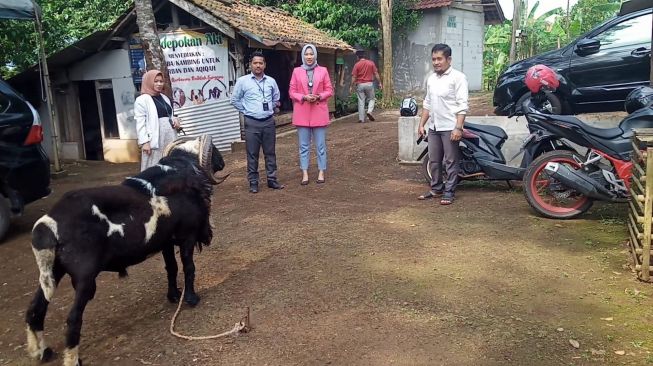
[
  {"x": 480, "y": 103},
  {"x": 358, "y": 272}
]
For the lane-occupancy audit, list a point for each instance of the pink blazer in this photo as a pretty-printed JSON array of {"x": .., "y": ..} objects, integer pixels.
[{"x": 307, "y": 114}]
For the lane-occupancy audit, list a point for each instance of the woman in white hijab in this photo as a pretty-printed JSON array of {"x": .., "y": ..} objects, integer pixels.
[{"x": 310, "y": 89}]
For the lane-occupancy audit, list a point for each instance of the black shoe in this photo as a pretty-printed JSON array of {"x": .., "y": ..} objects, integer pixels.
[
  {"x": 371, "y": 117},
  {"x": 253, "y": 188},
  {"x": 275, "y": 185}
]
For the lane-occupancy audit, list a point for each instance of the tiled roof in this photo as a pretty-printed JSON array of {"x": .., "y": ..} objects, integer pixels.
[
  {"x": 268, "y": 25},
  {"x": 431, "y": 4}
]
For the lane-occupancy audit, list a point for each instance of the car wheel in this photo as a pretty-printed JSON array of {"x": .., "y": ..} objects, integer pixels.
[
  {"x": 5, "y": 216},
  {"x": 552, "y": 104}
]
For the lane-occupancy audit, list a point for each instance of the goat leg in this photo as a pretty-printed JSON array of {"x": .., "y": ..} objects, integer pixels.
[
  {"x": 187, "y": 249},
  {"x": 35, "y": 319},
  {"x": 171, "y": 269},
  {"x": 84, "y": 291}
]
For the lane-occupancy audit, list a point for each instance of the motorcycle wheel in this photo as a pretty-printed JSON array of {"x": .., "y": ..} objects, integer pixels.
[
  {"x": 546, "y": 195},
  {"x": 552, "y": 105},
  {"x": 426, "y": 172}
]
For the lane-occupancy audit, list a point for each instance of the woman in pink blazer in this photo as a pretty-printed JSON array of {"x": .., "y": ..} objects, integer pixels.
[{"x": 310, "y": 89}]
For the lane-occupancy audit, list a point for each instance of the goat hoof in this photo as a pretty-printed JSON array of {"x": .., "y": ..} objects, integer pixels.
[
  {"x": 191, "y": 299},
  {"x": 48, "y": 355},
  {"x": 174, "y": 295}
]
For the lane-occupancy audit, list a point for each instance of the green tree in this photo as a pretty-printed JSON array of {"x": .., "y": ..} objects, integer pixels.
[
  {"x": 64, "y": 21},
  {"x": 586, "y": 14},
  {"x": 495, "y": 53},
  {"x": 357, "y": 22}
]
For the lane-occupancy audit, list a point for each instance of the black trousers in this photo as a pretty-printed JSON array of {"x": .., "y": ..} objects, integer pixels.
[{"x": 260, "y": 134}]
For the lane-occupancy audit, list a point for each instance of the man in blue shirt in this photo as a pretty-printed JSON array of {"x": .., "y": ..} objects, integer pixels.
[{"x": 256, "y": 96}]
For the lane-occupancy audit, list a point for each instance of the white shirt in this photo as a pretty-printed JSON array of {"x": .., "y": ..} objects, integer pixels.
[{"x": 446, "y": 97}]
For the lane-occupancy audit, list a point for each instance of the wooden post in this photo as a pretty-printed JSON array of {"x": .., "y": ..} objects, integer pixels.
[
  {"x": 648, "y": 215},
  {"x": 54, "y": 120},
  {"x": 515, "y": 27},
  {"x": 386, "y": 22}
]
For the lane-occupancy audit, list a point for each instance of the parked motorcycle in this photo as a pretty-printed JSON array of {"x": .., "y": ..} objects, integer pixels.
[
  {"x": 480, "y": 146},
  {"x": 565, "y": 184},
  {"x": 482, "y": 158}
]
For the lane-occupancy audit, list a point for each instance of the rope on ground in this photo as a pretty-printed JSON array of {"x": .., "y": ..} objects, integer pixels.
[{"x": 241, "y": 326}]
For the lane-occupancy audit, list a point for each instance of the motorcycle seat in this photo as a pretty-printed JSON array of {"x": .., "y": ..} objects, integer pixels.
[
  {"x": 605, "y": 133},
  {"x": 491, "y": 130}
]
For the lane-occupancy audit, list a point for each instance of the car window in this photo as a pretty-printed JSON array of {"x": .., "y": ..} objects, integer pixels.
[
  {"x": 630, "y": 32},
  {"x": 4, "y": 103}
]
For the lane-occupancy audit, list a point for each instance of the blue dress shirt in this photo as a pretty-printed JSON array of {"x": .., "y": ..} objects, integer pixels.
[{"x": 249, "y": 95}]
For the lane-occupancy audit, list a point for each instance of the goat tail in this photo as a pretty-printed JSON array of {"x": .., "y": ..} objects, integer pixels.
[{"x": 44, "y": 244}]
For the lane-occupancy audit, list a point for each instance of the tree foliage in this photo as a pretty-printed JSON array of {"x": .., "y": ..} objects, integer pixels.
[
  {"x": 540, "y": 34},
  {"x": 357, "y": 22},
  {"x": 64, "y": 22}
]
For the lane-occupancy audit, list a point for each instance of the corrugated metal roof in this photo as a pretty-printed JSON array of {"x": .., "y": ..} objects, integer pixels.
[
  {"x": 219, "y": 119},
  {"x": 269, "y": 26}
]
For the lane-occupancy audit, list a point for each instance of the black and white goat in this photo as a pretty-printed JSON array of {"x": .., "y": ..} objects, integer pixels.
[{"x": 113, "y": 227}]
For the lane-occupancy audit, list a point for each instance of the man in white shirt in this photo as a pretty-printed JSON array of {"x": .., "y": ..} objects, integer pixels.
[{"x": 445, "y": 106}]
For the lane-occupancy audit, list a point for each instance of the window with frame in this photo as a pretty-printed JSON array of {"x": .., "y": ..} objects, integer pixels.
[
  {"x": 630, "y": 32},
  {"x": 451, "y": 22}
]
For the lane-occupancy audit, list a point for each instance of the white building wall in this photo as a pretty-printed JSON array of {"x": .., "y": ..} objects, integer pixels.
[
  {"x": 466, "y": 41},
  {"x": 112, "y": 65},
  {"x": 412, "y": 61}
]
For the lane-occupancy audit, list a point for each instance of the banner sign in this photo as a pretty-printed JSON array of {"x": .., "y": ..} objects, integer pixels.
[{"x": 198, "y": 66}]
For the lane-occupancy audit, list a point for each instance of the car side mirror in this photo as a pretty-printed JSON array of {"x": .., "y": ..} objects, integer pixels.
[{"x": 587, "y": 46}]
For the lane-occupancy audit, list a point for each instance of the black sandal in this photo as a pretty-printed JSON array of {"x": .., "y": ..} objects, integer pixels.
[{"x": 446, "y": 200}]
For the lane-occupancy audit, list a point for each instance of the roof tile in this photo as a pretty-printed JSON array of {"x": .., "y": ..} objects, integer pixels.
[
  {"x": 268, "y": 25},
  {"x": 431, "y": 4}
]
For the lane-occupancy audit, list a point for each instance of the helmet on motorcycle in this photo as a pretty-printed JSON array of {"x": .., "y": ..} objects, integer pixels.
[
  {"x": 638, "y": 98},
  {"x": 408, "y": 107},
  {"x": 539, "y": 76}
]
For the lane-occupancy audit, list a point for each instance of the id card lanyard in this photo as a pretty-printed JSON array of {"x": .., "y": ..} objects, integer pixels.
[
  {"x": 262, "y": 89},
  {"x": 309, "y": 76}
]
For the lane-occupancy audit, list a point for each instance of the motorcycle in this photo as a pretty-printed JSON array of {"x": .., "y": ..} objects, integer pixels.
[
  {"x": 565, "y": 184},
  {"x": 482, "y": 158},
  {"x": 480, "y": 146}
]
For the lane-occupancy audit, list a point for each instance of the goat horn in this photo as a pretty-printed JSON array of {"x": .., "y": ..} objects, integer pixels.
[{"x": 217, "y": 180}]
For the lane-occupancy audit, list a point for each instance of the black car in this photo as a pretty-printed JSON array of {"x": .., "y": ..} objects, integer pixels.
[
  {"x": 597, "y": 71},
  {"x": 24, "y": 167}
]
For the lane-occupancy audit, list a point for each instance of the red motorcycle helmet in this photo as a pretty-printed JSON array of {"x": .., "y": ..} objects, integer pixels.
[{"x": 539, "y": 76}]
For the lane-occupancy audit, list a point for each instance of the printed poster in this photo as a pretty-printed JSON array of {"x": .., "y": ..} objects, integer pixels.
[
  {"x": 137, "y": 60},
  {"x": 198, "y": 66}
]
